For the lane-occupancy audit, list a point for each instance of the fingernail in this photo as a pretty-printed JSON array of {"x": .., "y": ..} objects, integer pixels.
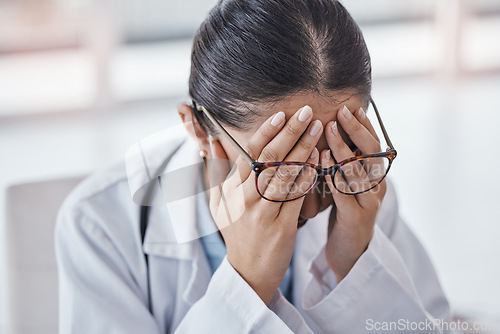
[
  {"x": 278, "y": 119},
  {"x": 347, "y": 113},
  {"x": 305, "y": 113},
  {"x": 316, "y": 128},
  {"x": 335, "y": 131},
  {"x": 361, "y": 113},
  {"x": 328, "y": 155},
  {"x": 314, "y": 153}
]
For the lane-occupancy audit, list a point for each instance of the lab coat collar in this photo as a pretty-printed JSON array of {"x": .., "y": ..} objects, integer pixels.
[{"x": 172, "y": 231}]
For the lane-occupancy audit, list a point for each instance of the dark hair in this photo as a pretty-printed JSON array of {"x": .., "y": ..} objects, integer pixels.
[{"x": 249, "y": 52}]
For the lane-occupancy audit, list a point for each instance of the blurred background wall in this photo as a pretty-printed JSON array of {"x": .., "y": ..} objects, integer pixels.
[{"x": 83, "y": 80}]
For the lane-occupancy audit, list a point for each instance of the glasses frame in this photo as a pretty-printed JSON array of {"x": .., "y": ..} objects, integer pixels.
[{"x": 259, "y": 167}]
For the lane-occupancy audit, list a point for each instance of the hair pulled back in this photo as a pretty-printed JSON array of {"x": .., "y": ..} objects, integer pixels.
[{"x": 249, "y": 52}]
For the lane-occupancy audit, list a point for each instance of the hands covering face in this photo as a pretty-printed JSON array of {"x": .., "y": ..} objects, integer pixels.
[{"x": 260, "y": 234}]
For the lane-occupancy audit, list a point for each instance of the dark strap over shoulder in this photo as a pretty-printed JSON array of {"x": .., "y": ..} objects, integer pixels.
[{"x": 144, "y": 219}]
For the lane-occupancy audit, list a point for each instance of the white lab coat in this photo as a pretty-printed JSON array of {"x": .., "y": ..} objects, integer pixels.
[{"x": 103, "y": 280}]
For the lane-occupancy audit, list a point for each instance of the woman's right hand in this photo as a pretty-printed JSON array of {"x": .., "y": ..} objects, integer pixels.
[{"x": 259, "y": 234}]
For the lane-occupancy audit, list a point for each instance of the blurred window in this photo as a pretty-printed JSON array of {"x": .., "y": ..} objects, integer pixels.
[
  {"x": 389, "y": 11},
  {"x": 154, "y": 20},
  {"x": 67, "y": 55}
]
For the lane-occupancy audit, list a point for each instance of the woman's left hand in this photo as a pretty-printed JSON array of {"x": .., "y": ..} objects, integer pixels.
[{"x": 352, "y": 218}]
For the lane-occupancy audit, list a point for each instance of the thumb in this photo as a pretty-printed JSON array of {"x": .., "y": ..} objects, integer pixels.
[{"x": 218, "y": 168}]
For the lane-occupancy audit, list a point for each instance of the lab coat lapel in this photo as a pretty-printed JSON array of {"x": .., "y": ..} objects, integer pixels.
[
  {"x": 172, "y": 224},
  {"x": 172, "y": 231}
]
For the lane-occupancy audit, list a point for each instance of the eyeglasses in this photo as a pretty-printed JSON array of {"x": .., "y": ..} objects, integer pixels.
[{"x": 287, "y": 181}]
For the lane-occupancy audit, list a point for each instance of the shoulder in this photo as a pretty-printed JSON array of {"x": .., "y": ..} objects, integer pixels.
[
  {"x": 102, "y": 191},
  {"x": 104, "y": 200}
]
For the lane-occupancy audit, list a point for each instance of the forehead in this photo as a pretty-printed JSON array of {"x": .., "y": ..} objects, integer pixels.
[{"x": 324, "y": 107}]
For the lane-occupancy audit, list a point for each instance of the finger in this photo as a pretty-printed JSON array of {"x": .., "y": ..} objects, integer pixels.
[
  {"x": 275, "y": 147},
  {"x": 363, "y": 119},
  {"x": 357, "y": 132},
  {"x": 282, "y": 182},
  {"x": 340, "y": 150},
  {"x": 289, "y": 180},
  {"x": 375, "y": 168},
  {"x": 293, "y": 208},
  {"x": 218, "y": 165},
  {"x": 307, "y": 142},
  {"x": 217, "y": 170},
  {"x": 281, "y": 145},
  {"x": 313, "y": 157},
  {"x": 306, "y": 180},
  {"x": 350, "y": 177},
  {"x": 266, "y": 132},
  {"x": 341, "y": 200}
]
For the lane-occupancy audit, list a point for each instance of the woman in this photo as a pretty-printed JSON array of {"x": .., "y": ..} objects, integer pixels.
[{"x": 312, "y": 246}]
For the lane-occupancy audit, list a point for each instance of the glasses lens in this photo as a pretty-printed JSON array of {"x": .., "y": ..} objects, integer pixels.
[
  {"x": 360, "y": 176},
  {"x": 286, "y": 182}
]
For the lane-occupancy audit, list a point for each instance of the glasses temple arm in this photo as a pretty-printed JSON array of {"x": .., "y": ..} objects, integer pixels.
[
  {"x": 226, "y": 134},
  {"x": 386, "y": 136}
]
